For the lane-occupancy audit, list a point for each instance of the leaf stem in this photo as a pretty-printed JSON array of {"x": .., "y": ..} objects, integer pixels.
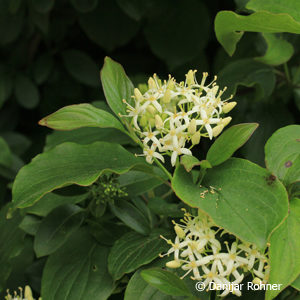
[{"x": 163, "y": 168}]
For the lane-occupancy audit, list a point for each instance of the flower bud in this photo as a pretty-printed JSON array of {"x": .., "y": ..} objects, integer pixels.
[
  {"x": 28, "y": 293},
  {"x": 192, "y": 127},
  {"x": 158, "y": 122},
  {"x": 167, "y": 96},
  {"x": 138, "y": 95},
  {"x": 228, "y": 107},
  {"x": 173, "y": 264},
  {"x": 171, "y": 84},
  {"x": 152, "y": 122},
  {"x": 151, "y": 109},
  {"x": 152, "y": 84},
  {"x": 190, "y": 77},
  {"x": 196, "y": 138},
  {"x": 143, "y": 121},
  {"x": 179, "y": 231},
  {"x": 217, "y": 130},
  {"x": 226, "y": 121},
  {"x": 256, "y": 280}
]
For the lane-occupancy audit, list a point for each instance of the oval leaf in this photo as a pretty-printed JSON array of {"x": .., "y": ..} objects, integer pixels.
[
  {"x": 81, "y": 115},
  {"x": 230, "y": 27},
  {"x": 26, "y": 92},
  {"x": 116, "y": 85},
  {"x": 133, "y": 250},
  {"x": 247, "y": 201},
  {"x": 68, "y": 164},
  {"x": 166, "y": 282},
  {"x": 228, "y": 142},
  {"x": 56, "y": 228},
  {"x": 78, "y": 270},
  {"x": 81, "y": 67},
  {"x": 282, "y": 152},
  {"x": 131, "y": 216},
  {"x": 284, "y": 251}
]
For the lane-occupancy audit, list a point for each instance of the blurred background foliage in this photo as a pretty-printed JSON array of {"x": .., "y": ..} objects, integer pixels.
[{"x": 51, "y": 53}]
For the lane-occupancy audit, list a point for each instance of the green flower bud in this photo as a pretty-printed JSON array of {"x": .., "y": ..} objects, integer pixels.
[
  {"x": 226, "y": 121},
  {"x": 28, "y": 293},
  {"x": 143, "y": 121},
  {"x": 138, "y": 95},
  {"x": 167, "y": 96},
  {"x": 173, "y": 264},
  {"x": 151, "y": 109},
  {"x": 228, "y": 107},
  {"x": 192, "y": 127},
  {"x": 158, "y": 122},
  {"x": 190, "y": 77},
  {"x": 152, "y": 84},
  {"x": 217, "y": 130},
  {"x": 152, "y": 122},
  {"x": 196, "y": 138}
]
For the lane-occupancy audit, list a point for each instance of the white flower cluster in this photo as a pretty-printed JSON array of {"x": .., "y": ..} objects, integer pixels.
[
  {"x": 168, "y": 115},
  {"x": 196, "y": 249},
  {"x": 19, "y": 296}
]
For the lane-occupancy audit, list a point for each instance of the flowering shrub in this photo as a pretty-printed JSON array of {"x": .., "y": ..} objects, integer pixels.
[{"x": 153, "y": 193}]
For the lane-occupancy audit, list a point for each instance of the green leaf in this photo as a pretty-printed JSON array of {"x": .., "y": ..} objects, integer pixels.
[
  {"x": 230, "y": 27},
  {"x": 43, "y": 6},
  {"x": 11, "y": 25},
  {"x": 283, "y": 154},
  {"x": 138, "y": 288},
  {"x": 26, "y": 92},
  {"x": 291, "y": 7},
  {"x": 161, "y": 207},
  {"x": 284, "y": 251},
  {"x": 84, "y": 6},
  {"x": 137, "y": 182},
  {"x": 136, "y": 9},
  {"x": 116, "y": 85},
  {"x": 86, "y": 135},
  {"x": 189, "y": 162},
  {"x": 5, "y": 87},
  {"x": 42, "y": 68},
  {"x": 296, "y": 284},
  {"x": 247, "y": 200},
  {"x": 78, "y": 270},
  {"x": 50, "y": 201},
  {"x": 279, "y": 51},
  {"x": 30, "y": 224},
  {"x": 229, "y": 141},
  {"x": 68, "y": 164},
  {"x": 187, "y": 16},
  {"x": 166, "y": 282},
  {"x": 81, "y": 115},
  {"x": 81, "y": 67},
  {"x": 248, "y": 73},
  {"x": 131, "y": 216},
  {"x": 6, "y": 158},
  {"x": 56, "y": 228},
  {"x": 133, "y": 250},
  {"x": 11, "y": 244},
  {"x": 121, "y": 27}
]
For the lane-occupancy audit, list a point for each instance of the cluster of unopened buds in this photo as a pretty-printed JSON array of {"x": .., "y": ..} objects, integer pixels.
[
  {"x": 197, "y": 250},
  {"x": 170, "y": 117},
  {"x": 20, "y": 296}
]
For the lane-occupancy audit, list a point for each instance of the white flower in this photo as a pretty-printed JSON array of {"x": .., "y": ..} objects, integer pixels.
[
  {"x": 150, "y": 154},
  {"x": 162, "y": 115},
  {"x": 197, "y": 250},
  {"x": 207, "y": 121}
]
